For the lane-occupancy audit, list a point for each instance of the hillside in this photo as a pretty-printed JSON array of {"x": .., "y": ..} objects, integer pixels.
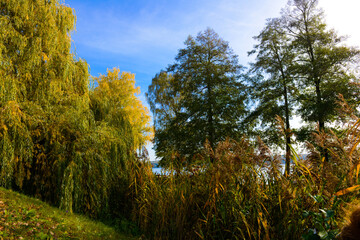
[{"x": 22, "y": 217}]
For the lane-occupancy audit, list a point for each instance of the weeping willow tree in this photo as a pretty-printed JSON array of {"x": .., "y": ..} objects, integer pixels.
[
  {"x": 123, "y": 123},
  {"x": 59, "y": 140},
  {"x": 114, "y": 101}
]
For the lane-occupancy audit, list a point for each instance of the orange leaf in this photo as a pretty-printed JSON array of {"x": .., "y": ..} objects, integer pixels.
[{"x": 347, "y": 190}]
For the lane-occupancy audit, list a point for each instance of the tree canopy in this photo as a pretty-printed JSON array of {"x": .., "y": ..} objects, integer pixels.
[
  {"x": 304, "y": 66},
  {"x": 273, "y": 87},
  {"x": 199, "y": 97},
  {"x": 59, "y": 140},
  {"x": 323, "y": 63}
]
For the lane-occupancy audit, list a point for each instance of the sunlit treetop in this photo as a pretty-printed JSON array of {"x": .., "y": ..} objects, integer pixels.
[{"x": 116, "y": 95}]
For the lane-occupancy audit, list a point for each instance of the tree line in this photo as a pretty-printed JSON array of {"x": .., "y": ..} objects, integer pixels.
[{"x": 301, "y": 67}]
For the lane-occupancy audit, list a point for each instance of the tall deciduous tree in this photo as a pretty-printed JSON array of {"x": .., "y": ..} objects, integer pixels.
[
  {"x": 208, "y": 100},
  {"x": 43, "y": 90},
  {"x": 58, "y": 140},
  {"x": 273, "y": 87},
  {"x": 322, "y": 62}
]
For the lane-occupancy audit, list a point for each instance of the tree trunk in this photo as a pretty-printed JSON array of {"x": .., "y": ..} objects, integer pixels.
[
  {"x": 210, "y": 119},
  {"x": 209, "y": 86},
  {"x": 317, "y": 80},
  {"x": 324, "y": 152},
  {"x": 287, "y": 134},
  {"x": 287, "y": 119}
]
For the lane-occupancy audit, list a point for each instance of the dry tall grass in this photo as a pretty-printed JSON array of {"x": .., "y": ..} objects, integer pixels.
[{"x": 243, "y": 194}]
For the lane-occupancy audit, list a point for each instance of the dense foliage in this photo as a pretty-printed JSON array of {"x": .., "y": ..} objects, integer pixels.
[
  {"x": 200, "y": 97},
  {"x": 300, "y": 69},
  {"x": 77, "y": 141},
  {"x": 231, "y": 189},
  {"x": 323, "y": 64},
  {"x": 60, "y": 140},
  {"x": 300, "y": 62},
  {"x": 244, "y": 194},
  {"x": 274, "y": 93}
]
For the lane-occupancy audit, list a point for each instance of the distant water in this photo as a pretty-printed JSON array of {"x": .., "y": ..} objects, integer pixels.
[{"x": 158, "y": 170}]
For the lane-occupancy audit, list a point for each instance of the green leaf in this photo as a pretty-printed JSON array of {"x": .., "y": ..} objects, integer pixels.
[
  {"x": 330, "y": 213},
  {"x": 306, "y": 213},
  {"x": 317, "y": 198},
  {"x": 323, "y": 234}
]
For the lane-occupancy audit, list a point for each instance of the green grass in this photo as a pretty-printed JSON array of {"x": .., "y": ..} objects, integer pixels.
[{"x": 22, "y": 217}]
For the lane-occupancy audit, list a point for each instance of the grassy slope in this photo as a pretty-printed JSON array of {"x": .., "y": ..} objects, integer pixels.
[{"x": 23, "y": 217}]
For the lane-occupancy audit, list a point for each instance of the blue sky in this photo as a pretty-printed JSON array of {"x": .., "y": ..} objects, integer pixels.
[{"x": 143, "y": 36}]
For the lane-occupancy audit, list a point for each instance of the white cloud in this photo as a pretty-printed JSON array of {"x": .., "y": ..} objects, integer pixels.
[{"x": 165, "y": 28}]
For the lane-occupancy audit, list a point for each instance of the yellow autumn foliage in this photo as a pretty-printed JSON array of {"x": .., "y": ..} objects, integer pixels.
[
  {"x": 59, "y": 140},
  {"x": 116, "y": 95}
]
